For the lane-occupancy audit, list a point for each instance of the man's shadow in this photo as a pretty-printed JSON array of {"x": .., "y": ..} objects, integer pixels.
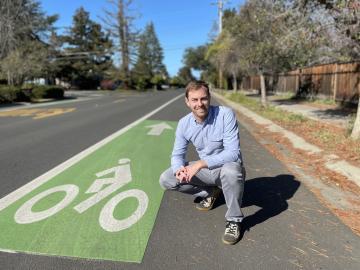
[{"x": 268, "y": 193}]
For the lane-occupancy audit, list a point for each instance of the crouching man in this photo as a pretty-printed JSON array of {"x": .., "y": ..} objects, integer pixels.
[{"x": 213, "y": 130}]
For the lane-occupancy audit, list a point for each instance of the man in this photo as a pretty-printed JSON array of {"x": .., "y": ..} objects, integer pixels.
[{"x": 214, "y": 132}]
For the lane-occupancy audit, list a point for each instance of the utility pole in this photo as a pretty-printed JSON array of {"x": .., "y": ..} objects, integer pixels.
[{"x": 220, "y": 4}]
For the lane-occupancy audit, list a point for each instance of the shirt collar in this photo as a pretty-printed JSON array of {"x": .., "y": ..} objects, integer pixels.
[{"x": 207, "y": 119}]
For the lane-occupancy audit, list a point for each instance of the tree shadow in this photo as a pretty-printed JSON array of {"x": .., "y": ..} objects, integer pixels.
[
  {"x": 268, "y": 193},
  {"x": 337, "y": 113}
]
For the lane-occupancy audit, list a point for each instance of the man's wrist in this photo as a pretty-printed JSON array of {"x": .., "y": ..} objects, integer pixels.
[{"x": 200, "y": 164}]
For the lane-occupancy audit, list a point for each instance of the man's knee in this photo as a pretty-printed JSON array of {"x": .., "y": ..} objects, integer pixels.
[
  {"x": 167, "y": 179},
  {"x": 232, "y": 173}
]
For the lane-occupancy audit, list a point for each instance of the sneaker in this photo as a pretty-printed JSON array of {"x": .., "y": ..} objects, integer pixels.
[
  {"x": 207, "y": 203},
  {"x": 232, "y": 233}
]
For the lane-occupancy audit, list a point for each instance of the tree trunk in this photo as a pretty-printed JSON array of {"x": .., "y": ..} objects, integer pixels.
[
  {"x": 355, "y": 134},
  {"x": 235, "y": 88},
  {"x": 263, "y": 90},
  {"x": 242, "y": 83},
  {"x": 220, "y": 79},
  {"x": 9, "y": 81},
  {"x": 124, "y": 42}
]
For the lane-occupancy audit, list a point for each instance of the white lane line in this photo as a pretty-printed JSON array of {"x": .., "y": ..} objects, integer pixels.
[
  {"x": 22, "y": 191},
  {"x": 119, "y": 100}
]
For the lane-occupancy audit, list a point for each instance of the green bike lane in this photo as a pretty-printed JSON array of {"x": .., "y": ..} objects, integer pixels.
[{"x": 103, "y": 206}]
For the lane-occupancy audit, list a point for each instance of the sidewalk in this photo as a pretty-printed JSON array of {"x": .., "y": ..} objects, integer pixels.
[
  {"x": 329, "y": 114},
  {"x": 300, "y": 154}
]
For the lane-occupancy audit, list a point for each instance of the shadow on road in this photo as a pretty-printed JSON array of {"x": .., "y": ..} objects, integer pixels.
[{"x": 268, "y": 193}]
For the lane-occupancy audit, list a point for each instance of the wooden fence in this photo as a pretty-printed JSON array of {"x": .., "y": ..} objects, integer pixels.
[{"x": 340, "y": 82}]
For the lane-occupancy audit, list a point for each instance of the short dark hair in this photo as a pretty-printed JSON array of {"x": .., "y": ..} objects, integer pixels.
[{"x": 196, "y": 85}]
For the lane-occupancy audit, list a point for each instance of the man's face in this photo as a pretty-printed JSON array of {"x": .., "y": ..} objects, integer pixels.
[{"x": 198, "y": 101}]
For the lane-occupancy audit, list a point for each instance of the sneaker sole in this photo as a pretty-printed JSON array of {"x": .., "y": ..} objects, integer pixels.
[
  {"x": 204, "y": 209},
  {"x": 230, "y": 243}
]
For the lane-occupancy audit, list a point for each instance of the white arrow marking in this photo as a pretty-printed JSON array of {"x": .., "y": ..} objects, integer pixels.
[{"x": 157, "y": 129}]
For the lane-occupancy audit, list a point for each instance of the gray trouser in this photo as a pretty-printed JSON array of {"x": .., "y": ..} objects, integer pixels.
[{"x": 230, "y": 178}]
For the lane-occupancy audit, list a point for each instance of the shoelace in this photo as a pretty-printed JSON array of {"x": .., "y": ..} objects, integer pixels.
[
  {"x": 231, "y": 228},
  {"x": 206, "y": 202}
]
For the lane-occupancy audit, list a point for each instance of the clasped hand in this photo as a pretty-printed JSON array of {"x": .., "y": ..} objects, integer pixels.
[{"x": 184, "y": 174}]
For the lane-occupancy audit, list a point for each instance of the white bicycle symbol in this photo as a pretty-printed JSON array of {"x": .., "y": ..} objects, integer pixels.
[{"x": 101, "y": 188}]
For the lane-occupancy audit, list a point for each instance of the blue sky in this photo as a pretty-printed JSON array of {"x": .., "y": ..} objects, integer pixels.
[{"x": 178, "y": 24}]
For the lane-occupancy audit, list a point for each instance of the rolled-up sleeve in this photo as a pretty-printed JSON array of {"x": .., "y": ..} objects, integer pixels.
[
  {"x": 231, "y": 143},
  {"x": 180, "y": 148}
]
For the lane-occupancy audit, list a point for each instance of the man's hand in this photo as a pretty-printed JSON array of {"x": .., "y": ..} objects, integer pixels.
[
  {"x": 193, "y": 169},
  {"x": 181, "y": 174}
]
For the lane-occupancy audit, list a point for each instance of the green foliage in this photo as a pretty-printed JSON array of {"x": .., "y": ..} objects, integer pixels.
[
  {"x": 176, "y": 82},
  {"x": 45, "y": 91},
  {"x": 142, "y": 84},
  {"x": 157, "y": 81},
  {"x": 88, "y": 54},
  {"x": 8, "y": 93},
  {"x": 195, "y": 58},
  {"x": 185, "y": 75},
  {"x": 149, "y": 69},
  {"x": 241, "y": 98}
]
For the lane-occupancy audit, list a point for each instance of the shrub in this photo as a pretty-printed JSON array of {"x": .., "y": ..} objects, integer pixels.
[
  {"x": 45, "y": 91},
  {"x": 142, "y": 84},
  {"x": 25, "y": 93},
  {"x": 8, "y": 93}
]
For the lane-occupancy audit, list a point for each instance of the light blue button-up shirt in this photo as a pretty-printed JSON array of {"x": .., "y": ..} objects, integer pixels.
[{"x": 216, "y": 139}]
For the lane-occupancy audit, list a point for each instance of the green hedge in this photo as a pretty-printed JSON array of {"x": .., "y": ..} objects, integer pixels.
[
  {"x": 45, "y": 91},
  {"x": 10, "y": 94}
]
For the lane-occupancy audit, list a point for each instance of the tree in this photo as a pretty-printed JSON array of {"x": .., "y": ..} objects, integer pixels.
[
  {"x": 185, "y": 75},
  {"x": 195, "y": 59},
  {"x": 26, "y": 62},
  {"x": 24, "y": 30},
  {"x": 346, "y": 24},
  {"x": 176, "y": 82},
  {"x": 266, "y": 37},
  {"x": 118, "y": 22},
  {"x": 228, "y": 56},
  {"x": 150, "y": 57},
  {"x": 344, "y": 19},
  {"x": 87, "y": 56}
]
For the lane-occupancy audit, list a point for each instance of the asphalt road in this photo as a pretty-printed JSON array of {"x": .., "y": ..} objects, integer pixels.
[{"x": 286, "y": 227}]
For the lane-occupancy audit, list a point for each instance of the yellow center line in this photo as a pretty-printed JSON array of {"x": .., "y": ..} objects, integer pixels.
[{"x": 36, "y": 113}]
